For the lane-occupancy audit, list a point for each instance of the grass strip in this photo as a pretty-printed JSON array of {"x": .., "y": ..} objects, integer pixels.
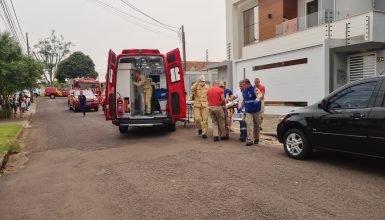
[{"x": 8, "y": 134}]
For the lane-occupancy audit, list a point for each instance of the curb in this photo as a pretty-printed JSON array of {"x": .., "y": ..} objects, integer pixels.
[
  {"x": 5, "y": 156},
  {"x": 271, "y": 134},
  {"x": 3, "y": 160}
]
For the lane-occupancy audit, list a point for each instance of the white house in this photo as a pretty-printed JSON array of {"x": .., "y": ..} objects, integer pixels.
[{"x": 304, "y": 49}]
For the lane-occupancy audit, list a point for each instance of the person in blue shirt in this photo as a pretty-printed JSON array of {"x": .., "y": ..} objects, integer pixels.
[{"x": 252, "y": 102}]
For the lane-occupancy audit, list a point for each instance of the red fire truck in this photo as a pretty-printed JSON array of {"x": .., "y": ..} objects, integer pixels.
[
  {"x": 125, "y": 104},
  {"x": 85, "y": 84}
]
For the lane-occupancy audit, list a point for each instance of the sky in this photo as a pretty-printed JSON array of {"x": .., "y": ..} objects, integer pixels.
[{"x": 94, "y": 29}]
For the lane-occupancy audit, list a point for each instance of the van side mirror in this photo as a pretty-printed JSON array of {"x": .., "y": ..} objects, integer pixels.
[{"x": 323, "y": 104}]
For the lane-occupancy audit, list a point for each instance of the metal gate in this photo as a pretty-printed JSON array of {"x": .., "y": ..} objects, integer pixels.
[{"x": 361, "y": 66}]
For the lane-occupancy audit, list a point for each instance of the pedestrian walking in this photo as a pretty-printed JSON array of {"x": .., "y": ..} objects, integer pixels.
[
  {"x": 27, "y": 102},
  {"x": 14, "y": 105},
  {"x": 252, "y": 102},
  {"x": 21, "y": 105},
  {"x": 83, "y": 101},
  {"x": 201, "y": 111},
  {"x": 262, "y": 89},
  {"x": 237, "y": 98},
  {"x": 216, "y": 101}
]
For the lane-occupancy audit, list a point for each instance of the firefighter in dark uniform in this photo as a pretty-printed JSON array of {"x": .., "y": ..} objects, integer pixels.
[{"x": 83, "y": 101}]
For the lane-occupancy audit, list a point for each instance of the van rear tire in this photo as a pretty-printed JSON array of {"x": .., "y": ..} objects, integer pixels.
[
  {"x": 171, "y": 127},
  {"x": 52, "y": 96}
]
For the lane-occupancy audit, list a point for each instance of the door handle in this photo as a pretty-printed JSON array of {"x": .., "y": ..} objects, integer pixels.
[{"x": 357, "y": 116}]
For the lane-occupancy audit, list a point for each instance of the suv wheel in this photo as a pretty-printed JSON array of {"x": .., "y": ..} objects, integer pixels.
[
  {"x": 296, "y": 144},
  {"x": 52, "y": 96},
  {"x": 123, "y": 129}
]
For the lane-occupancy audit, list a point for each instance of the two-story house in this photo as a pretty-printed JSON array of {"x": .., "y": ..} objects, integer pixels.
[{"x": 304, "y": 49}]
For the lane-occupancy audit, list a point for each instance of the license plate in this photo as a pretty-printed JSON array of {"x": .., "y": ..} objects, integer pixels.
[{"x": 88, "y": 103}]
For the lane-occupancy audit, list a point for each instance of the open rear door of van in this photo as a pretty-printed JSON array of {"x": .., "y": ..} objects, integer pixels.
[
  {"x": 176, "y": 88},
  {"x": 110, "y": 86}
]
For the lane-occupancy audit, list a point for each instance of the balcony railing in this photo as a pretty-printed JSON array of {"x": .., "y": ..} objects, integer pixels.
[
  {"x": 323, "y": 17},
  {"x": 304, "y": 22}
]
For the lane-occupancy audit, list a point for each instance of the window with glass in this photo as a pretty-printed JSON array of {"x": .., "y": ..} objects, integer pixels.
[
  {"x": 357, "y": 96},
  {"x": 251, "y": 25},
  {"x": 175, "y": 75}
]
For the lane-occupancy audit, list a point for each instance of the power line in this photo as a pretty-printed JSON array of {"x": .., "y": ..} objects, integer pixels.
[
  {"x": 120, "y": 13},
  {"x": 135, "y": 17},
  {"x": 6, "y": 16},
  {"x": 5, "y": 22},
  {"x": 11, "y": 22},
  {"x": 145, "y": 14},
  {"x": 18, "y": 24}
]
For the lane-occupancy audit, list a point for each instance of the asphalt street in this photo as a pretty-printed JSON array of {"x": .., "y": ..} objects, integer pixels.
[{"x": 83, "y": 168}]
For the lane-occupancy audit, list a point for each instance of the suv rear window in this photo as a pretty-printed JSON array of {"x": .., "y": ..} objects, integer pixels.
[{"x": 357, "y": 96}]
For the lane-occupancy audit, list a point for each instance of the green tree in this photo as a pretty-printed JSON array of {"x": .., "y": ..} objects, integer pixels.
[
  {"x": 51, "y": 51},
  {"x": 76, "y": 65},
  {"x": 17, "y": 71}
]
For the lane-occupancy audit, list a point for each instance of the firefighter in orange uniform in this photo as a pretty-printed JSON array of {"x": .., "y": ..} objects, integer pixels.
[
  {"x": 201, "y": 106},
  {"x": 142, "y": 81}
]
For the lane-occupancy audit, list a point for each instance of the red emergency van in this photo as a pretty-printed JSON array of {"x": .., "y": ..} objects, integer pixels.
[{"x": 125, "y": 104}]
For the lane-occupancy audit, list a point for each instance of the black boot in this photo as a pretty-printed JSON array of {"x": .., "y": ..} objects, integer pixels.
[
  {"x": 249, "y": 143},
  {"x": 225, "y": 137},
  {"x": 204, "y": 136},
  {"x": 199, "y": 131}
]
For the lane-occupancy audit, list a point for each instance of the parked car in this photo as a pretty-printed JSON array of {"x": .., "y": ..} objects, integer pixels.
[
  {"x": 53, "y": 92},
  {"x": 350, "y": 120},
  {"x": 36, "y": 92},
  {"x": 74, "y": 103}
]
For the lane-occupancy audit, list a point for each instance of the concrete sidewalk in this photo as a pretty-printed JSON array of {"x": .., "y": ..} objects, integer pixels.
[
  {"x": 23, "y": 120},
  {"x": 269, "y": 125}
]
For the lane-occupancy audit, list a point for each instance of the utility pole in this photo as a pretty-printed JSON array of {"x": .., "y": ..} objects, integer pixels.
[
  {"x": 28, "y": 51},
  {"x": 26, "y": 35},
  {"x": 184, "y": 49},
  {"x": 207, "y": 61}
]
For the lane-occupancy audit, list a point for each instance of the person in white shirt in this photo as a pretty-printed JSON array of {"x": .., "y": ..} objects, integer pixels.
[{"x": 237, "y": 98}]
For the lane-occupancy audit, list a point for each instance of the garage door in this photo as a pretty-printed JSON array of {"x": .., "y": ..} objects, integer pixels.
[{"x": 361, "y": 66}]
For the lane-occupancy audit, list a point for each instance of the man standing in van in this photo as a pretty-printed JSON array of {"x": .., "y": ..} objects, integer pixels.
[
  {"x": 142, "y": 81},
  {"x": 201, "y": 106}
]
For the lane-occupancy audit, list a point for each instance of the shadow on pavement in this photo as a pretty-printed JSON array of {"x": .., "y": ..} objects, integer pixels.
[
  {"x": 142, "y": 133},
  {"x": 374, "y": 166}
]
